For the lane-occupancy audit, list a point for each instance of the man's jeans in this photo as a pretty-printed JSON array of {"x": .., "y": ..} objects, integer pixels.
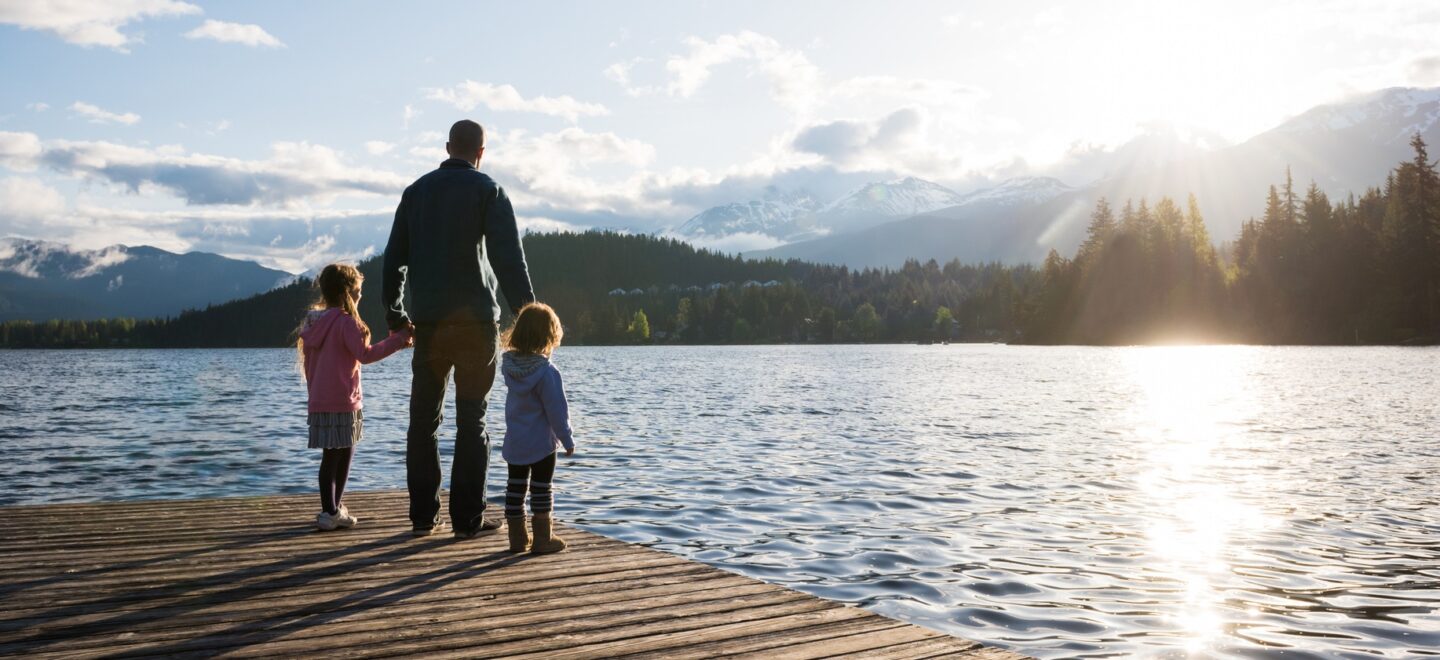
[{"x": 468, "y": 350}]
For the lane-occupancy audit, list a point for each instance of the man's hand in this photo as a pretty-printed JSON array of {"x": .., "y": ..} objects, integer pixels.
[
  {"x": 570, "y": 451},
  {"x": 409, "y": 331}
]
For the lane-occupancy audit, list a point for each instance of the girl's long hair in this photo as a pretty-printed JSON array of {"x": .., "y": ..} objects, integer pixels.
[
  {"x": 537, "y": 331},
  {"x": 334, "y": 284}
]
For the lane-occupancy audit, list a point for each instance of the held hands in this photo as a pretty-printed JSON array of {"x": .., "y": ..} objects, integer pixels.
[{"x": 409, "y": 331}]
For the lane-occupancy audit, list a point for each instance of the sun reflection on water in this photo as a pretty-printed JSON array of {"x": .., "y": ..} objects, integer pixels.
[{"x": 1188, "y": 409}]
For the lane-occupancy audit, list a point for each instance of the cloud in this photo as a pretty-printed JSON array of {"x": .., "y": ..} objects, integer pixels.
[
  {"x": 289, "y": 240},
  {"x": 19, "y": 151},
  {"x": 99, "y": 115},
  {"x": 540, "y": 225},
  {"x": 898, "y": 141},
  {"x": 794, "y": 81},
  {"x": 295, "y": 171},
  {"x": 1424, "y": 70},
  {"x": 732, "y": 243},
  {"x": 26, "y": 199},
  {"x": 378, "y": 148},
  {"x": 468, "y": 95},
  {"x": 235, "y": 33},
  {"x": 89, "y": 22},
  {"x": 959, "y": 20},
  {"x": 408, "y": 113},
  {"x": 620, "y": 73},
  {"x": 37, "y": 106},
  {"x": 554, "y": 175},
  {"x": 914, "y": 91},
  {"x": 834, "y": 139}
]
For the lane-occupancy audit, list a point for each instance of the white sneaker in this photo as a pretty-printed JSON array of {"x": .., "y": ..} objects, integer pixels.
[
  {"x": 326, "y": 522},
  {"x": 344, "y": 520}
]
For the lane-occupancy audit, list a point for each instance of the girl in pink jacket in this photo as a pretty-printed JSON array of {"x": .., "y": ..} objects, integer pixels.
[{"x": 334, "y": 342}]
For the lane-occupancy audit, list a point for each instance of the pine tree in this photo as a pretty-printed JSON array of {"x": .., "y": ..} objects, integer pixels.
[{"x": 1102, "y": 227}]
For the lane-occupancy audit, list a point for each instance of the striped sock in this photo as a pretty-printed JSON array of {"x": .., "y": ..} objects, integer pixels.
[
  {"x": 515, "y": 498},
  {"x": 541, "y": 501}
]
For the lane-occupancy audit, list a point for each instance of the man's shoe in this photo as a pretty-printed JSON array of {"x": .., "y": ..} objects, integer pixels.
[
  {"x": 435, "y": 528},
  {"x": 485, "y": 528},
  {"x": 326, "y": 522}
]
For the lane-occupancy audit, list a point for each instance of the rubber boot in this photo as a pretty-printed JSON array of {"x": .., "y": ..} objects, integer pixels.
[
  {"x": 545, "y": 540},
  {"x": 519, "y": 536}
]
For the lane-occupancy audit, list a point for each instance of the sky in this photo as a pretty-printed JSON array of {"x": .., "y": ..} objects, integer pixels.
[{"x": 284, "y": 132}]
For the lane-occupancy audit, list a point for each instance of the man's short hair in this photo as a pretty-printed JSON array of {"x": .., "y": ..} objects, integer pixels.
[{"x": 466, "y": 136}]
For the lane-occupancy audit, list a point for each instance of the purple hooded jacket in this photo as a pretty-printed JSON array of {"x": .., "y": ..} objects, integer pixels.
[{"x": 537, "y": 418}]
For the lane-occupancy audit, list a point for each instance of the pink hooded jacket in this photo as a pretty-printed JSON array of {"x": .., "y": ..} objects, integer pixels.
[{"x": 334, "y": 350}]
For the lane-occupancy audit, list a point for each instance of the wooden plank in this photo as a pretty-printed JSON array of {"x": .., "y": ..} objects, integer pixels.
[
  {"x": 867, "y": 643},
  {"x": 519, "y": 630},
  {"x": 335, "y": 548},
  {"x": 938, "y": 647},
  {"x": 88, "y": 620},
  {"x": 341, "y": 617},
  {"x": 271, "y": 561},
  {"x": 180, "y": 595},
  {"x": 838, "y": 622},
  {"x": 555, "y": 638},
  {"x": 122, "y": 579}
]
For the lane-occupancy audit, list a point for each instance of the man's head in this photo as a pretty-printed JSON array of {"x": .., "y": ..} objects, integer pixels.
[{"x": 467, "y": 141}]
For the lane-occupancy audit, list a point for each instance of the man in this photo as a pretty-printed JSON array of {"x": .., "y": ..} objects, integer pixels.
[{"x": 454, "y": 236}]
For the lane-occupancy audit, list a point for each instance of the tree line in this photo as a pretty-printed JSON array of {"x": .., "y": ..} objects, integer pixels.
[{"x": 1365, "y": 269}]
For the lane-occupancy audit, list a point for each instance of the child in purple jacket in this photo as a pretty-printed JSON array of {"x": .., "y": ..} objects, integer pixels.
[
  {"x": 537, "y": 423},
  {"x": 334, "y": 342}
]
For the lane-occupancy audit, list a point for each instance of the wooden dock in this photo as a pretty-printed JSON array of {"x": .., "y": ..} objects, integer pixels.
[{"x": 248, "y": 577}]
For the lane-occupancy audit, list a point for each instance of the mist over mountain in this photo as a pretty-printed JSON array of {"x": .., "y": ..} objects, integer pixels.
[{"x": 42, "y": 280}]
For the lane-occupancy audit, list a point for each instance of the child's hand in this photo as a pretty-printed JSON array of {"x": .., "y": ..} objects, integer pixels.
[{"x": 408, "y": 331}]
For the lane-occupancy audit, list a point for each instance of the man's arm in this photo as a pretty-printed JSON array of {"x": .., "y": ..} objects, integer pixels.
[
  {"x": 507, "y": 257},
  {"x": 397, "y": 266}
]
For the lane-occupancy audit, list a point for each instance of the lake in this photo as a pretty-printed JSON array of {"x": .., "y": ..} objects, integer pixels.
[{"x": 1064, "y": 502}]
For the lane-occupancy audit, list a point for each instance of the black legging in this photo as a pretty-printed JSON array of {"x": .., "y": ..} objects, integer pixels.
[
  {"x": 334, "y": 472},
  {"x": 537, "y": 476}
]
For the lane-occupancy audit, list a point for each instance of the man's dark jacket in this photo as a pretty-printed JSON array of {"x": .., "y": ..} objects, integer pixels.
[{"x": 454, "y": 237}]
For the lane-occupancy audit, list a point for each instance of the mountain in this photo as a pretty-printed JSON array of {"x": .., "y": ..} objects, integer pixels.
[
  {"x": 1016, "y": 192},
  {"x": 792, "y": 216},
  {"x": 1343, "y": 147},
  {"x": 875, "y": 203},
  {"x": 781, "y": 215},
  {"x": 971, "y": 230},
  {"x": 41, "y": 280}
]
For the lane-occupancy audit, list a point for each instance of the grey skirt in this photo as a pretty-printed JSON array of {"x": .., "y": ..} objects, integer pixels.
[{"x": 336, "y": 430}]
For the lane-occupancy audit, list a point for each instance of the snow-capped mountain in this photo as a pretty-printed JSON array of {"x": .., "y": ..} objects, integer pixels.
[
  {"x": 791, "y": 216},
  {"x": 983, "y": 225},
  {"x": 781, "y": 215},
  {"x": 41, "y": 280},
  {"x": 876, "y": 203},
  {"x": 1387, "y": 116},
  {"x": 1018, "y": 191}
]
